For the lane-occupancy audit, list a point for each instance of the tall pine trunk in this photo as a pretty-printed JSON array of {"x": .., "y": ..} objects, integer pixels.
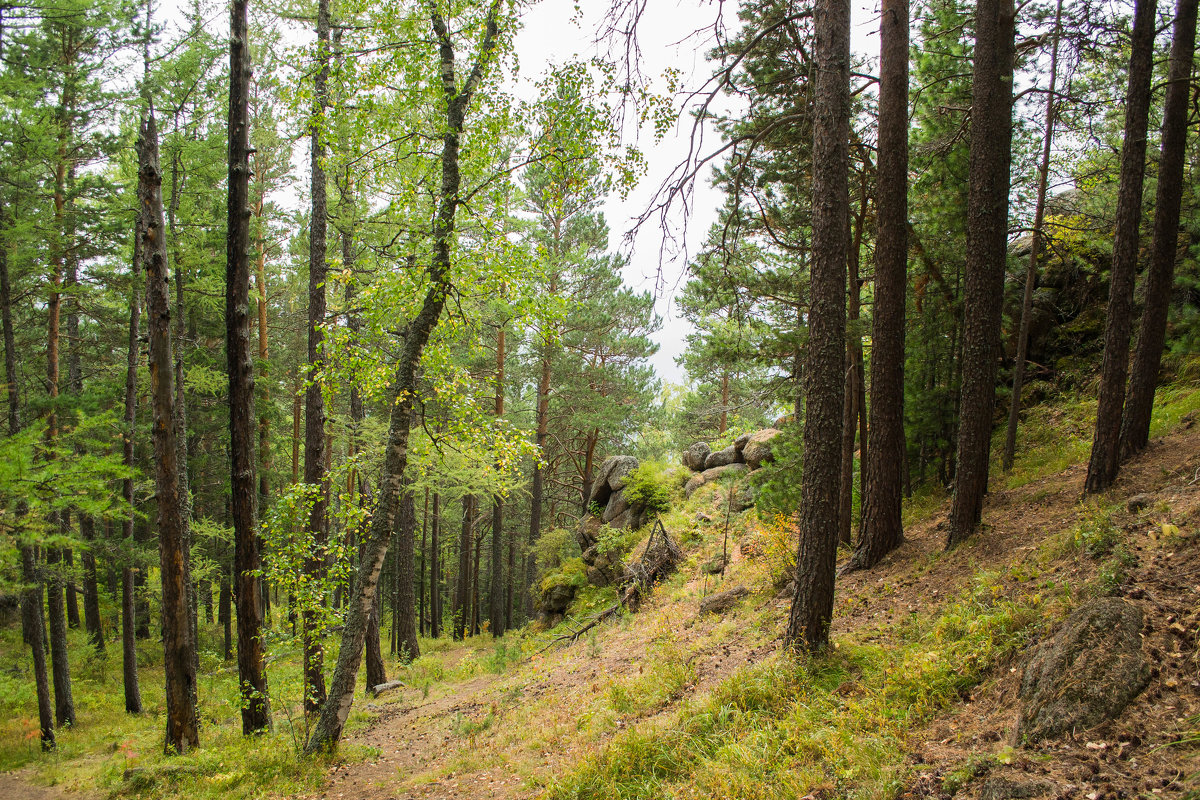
[
  {"x": 252, "y": 679},
  {"x": 824, "y": 385},
  {"x": 435, "y": 569},
  {"x": 1147, "y": 354},
  {"x": 178, "y": 657},
  {"x": 314, "y": 404},
  {"x": 987, "y": 248},
  {"x": 1104, "y": 461},
  {"x": 880, "y": 529}
]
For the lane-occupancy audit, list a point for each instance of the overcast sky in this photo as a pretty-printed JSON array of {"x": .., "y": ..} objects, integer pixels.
[{"x": 552, "y": 35}]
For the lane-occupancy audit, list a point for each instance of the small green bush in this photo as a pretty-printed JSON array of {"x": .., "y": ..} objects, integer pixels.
[{"x": 648, "y": 485}]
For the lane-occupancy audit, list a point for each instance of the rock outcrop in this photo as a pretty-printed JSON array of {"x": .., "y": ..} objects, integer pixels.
[
  {"x": 1084, "y": 674},
  {"x": 750, "y": 450}
]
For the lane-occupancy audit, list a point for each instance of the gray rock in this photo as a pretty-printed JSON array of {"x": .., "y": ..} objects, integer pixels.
[
  {"x": 617, "y": 505},
  {"x": 1002, "y": 788},
  {"x": 723, "y": 601},
  {"x": 588, "y": 531},
  {"x": 1084, "y": 674},
  {"x": 721, "y": 458},
  {"x": 758, "y": 449},
  {"x": 693, "y": 457},
  {"x": 618, "y": 468},
  {"x": 736, "y": 470},
  {"x": 692, "y": 485},
  {"x": 739, "y": 443},
  {"x": 1139, "y": 502},
  {"x": 622, "y": 521}
]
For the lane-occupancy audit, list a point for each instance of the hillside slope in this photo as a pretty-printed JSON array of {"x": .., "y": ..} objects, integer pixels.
[{"x": 918, "y": 699}]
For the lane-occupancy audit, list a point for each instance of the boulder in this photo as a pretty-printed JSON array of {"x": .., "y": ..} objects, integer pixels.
[
  {"x": 588, "y": 532},
  {"x": 739, "y": 443},
  {"x": 1084, "y": 674},
  {"x": 721, "y": 458},
  {"x": 1139, "y": 502},
  {"x": 736, "y": 470},
  {"x": 603, "y": 484},
  {"x": 723, "y": 601},
  {"x": 556, "y": 599},
  {"x": 1003, "y": 788},
  {"x": 617, "y": 505},
  {"x": 618, "y": 468},
  {"x": 710, "y": 475},
  {"x": 758, "y": 449},
  {"x": 694, "y": 456},
  {"x": 743, "y": 497}
]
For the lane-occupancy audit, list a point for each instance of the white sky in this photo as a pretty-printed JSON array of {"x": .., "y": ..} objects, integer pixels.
[{"x": 550, "y": 36}]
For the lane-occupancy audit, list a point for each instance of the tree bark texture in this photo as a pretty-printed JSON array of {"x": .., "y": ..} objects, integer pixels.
[
  {"x": 1164, "y": 248},
  {"x": 435, "y": 570},
  {"x": 60, "y": 666},
  {"x": 252, "y": 678},
  {"x": 987, "y": 248},
  {"x": 825, "y": 386},
  {"x": 880, "y": 529},
  {"x": 1104, "y": 462},
  {"x": 178, "y": 659},
  {"x": 461, "y": 609}
]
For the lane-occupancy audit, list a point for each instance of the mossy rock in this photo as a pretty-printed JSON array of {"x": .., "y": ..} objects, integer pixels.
[{"x": 1086, "y": 673}]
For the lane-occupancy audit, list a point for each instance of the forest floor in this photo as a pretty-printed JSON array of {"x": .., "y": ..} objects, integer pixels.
[
  {"x": 516, "y": 733},
  {"x": 917, "y": 699}
]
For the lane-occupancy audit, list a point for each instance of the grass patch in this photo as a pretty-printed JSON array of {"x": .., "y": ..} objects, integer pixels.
[{"x": 789, "y": 726}]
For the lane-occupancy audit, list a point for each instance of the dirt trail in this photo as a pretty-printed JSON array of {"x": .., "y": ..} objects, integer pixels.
[{"x": 14, "y": 786}]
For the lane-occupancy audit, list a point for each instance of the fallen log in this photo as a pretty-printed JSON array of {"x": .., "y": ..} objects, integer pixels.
[{"x": 379, "y": 689}]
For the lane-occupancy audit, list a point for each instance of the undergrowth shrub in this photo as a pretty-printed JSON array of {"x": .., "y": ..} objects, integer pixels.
[{"x": 649, "y": 485}]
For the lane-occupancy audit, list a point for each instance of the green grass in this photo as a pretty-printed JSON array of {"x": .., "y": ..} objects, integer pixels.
[
  {"x": 106, "y": 741},
  {"x": 787, "y": 726}
]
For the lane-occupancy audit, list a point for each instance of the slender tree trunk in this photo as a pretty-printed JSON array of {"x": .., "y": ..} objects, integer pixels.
[
  {"x": 406, "y": 622},
  {"x": 64, "y": 701},
  {"x": 880, "y": 530},
  {"x": 31, "y": 613},
  {"x": 129, "y": 673},
  {"x": 851, "y": 409},
  {"x": 72, "y": 591},
  {"x": 252, "y": 678},
  {"x": 1147, "y": 354},
  {"x": 178, "y": 645},
  {"x": 225, "y": 617},
  {"x": 421, "y": 623},
  {"x": 435, "y": 570},
  {"x": 91, "y": 589},
  {"x": 496, "y": 616},
  {"x": 462, "y": 585},
  {"x": 314, "y": 405},
  {"x": 724, "y": 422},
  {"x": 987, "y": 247},
  {"x": 133, "y": 693},
  {"x": 1035, "y": 249},
  {"x": 1105, "y": 462},
  {"x": 185, "y": 491},
  {"x": 816, "y": 562},
  {"x": 537, "y": 489}
]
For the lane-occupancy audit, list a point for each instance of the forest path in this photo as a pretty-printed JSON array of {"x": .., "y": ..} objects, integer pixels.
[{"x": 16, "y": 786}]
